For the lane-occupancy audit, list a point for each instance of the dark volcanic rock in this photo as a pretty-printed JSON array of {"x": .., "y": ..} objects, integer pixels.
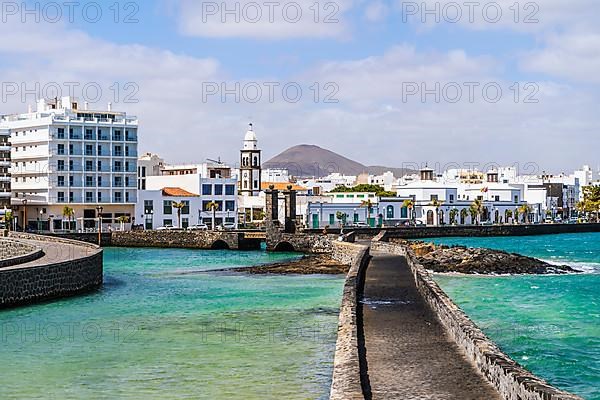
[
  {"x": 307, "y": 265},
  {"x": 485, "y": 261}
]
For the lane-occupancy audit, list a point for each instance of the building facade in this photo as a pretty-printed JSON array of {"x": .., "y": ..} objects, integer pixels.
[
  {"x": 67, "y": 156},
  {"x": 5, "y": 179}
]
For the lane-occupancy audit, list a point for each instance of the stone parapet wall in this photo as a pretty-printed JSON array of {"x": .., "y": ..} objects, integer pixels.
[
  {"x": 511, "y": 380},
  {"x": 348, "y": 374},
  {"x": 14, "y": 253},
  {"x": 49, "y": 277},
  {"x": 183, "y": 239}
]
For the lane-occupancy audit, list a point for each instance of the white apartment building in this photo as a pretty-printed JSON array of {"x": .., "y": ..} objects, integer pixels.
[
  {"x": 4, "y": 171},
  {"x": 149, "y": 164},
  {"x": 64, "y": 154}
]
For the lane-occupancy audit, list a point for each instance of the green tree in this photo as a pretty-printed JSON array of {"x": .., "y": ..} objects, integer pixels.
[
  {"x": 464, "y": 213},
  {"x": 122, "y": 220},
  {"x": 409, "y": 204},
  {"x": 341, "y": 217},
  {"x": 364, "y": 188},
  {"x": 213, "y": 206},
  {"x": 476, "y": 209},
  {"x": 453, "y": 214},
  {"x": 369, "y": 205},
  {"x": 178, "y": 206},
  {"x": 69, "y": 213},
  {"x": 508, "y": 214},
  {"x": 525, "y": 210},
  {"x": 591, "y": 201},
  {"x": 8, "y": 219}
]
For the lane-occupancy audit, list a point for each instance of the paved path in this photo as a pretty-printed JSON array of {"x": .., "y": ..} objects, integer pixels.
[
  {"x": 408, "y": 354},
  {"x": 56, "y": 252}
]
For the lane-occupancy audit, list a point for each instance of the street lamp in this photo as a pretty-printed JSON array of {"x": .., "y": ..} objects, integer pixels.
[
  {"x": 99, "y": 210},
  {"x": 24, "y": 215},
  {"x": 40, "y": 221}
]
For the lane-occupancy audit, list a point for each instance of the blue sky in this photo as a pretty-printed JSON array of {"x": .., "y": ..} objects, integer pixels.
[{"x": 371, "y": 54}]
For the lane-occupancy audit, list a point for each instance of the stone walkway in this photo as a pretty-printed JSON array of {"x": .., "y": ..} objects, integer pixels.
[
  {"x": 408, "y": 353},
  {"x": 56, "y": 252}
]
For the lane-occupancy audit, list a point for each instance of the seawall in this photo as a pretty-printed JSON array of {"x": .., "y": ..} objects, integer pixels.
[
  {"x": 67, "y": 268},
  {"x": 14, "y": 253},
  {"x": 511, "y": 380},
  {"x": 348, "y": 374}
]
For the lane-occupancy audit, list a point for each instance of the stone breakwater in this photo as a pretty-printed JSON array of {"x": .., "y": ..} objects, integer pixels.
[
  {"x": 441, "y": 259},
  {"x": 13, "y": 253},
  {"x": 511, "y": 380},
  {"x": 67, "y": 268},
  {"x": 349, "y": 376}
]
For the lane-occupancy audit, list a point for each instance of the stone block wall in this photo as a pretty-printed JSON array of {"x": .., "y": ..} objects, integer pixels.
[
  {"x": 349, "y": 376},
  {"x": 510, "y": 379},
  {"x": 177, "y": 239},
  {"x": 30, "y": 283}
]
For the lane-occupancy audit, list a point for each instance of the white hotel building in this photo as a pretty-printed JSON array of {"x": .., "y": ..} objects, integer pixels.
[{"x": 64, "y": 154}]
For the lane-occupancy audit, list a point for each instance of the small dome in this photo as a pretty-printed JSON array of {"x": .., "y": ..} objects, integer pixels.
[{"x": 250, "y": 136}]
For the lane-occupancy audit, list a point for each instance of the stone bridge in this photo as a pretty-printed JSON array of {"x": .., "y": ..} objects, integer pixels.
[{"x": 209, "y": 240}]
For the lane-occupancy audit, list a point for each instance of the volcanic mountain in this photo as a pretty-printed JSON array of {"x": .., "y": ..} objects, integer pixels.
[{"x": 313, "y": 161}]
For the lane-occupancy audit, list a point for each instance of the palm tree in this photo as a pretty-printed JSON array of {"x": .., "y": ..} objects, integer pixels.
[
  {"x": 437, "y": 204},
  {"x": 213, "y": 206},
  {"x": 8, "y": 218},
  {"x": 69, "y": 213},
  {"x": 178, "y": 206},
  {"x": 410, "y": 205},
  {"x": 453, "y": 215},
  {"x": 123, "y": 219},
  {"x": 464, "y": 213},
  {"x": 525, "y": 210},
  {"x": 508, "y": 215},
  {"x": 476, "y": 209},
  {"x": 517, "y": 213},
  {"x": 369, "y": 205},
  {"x": 341, "y": 217}
]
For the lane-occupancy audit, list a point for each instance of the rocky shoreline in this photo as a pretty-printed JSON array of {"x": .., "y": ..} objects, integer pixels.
[
  {"x": 307, "y": 265},
  {"x": 464, "y": 260}
]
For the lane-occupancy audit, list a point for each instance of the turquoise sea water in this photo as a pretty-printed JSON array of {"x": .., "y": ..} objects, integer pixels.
[
  {"x": 549, "y": 324},
  {"x": 162, "y": 329}
]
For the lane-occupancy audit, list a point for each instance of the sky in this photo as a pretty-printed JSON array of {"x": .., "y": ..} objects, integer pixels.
[{"x": 382, "y": 82}]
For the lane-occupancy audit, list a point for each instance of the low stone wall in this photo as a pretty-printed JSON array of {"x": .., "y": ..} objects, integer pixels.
[
  {"x": 14, "y": 253},
  {"x": 510, "y": 379},
  {"x": 21, "y": 285},
  {"x": 349, "y": 376},
  {"x": 184, "y": 239},
  {"x": 303, "y": 242}
]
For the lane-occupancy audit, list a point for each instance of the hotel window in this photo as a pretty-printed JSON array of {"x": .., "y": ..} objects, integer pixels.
[
  {"x": 118, "y": 181},
  {"x": 118, "y": 197},
  {"x": 71, "y": 180},
  {"x": 230, "y": 205},
  {"x": 71, "y": 134},
  {"x": 89, "y": 134},
  {"x": 71, "y": 197},
  {"x": 218, "y": 190},
  {"x": 61, "y": 181},
  {"x": 61, "y": 197},
  {"x": 99, "y": 181},
  {"x": 99, "y": 197},
  {"x": 89, "y": 197},
  {"x": 89, "y": 165},
  {"x": 127, "y": 197},
  {"x": 89, "y": 181},
  {"x": 61, "y": 133},
  {"x": 126, "y": 151},
  {"x": 167, "y": 207},
  {"x": 117, "y": 136},
  {"x": 71, "y": 165},
  {"x": 118, "y": 151},
  {"x": 99, "y": 166},
  {"x": 229, "y": 190},
  {"x": 71, "y": 152},
  {"x": 186, "y": 207},
  {"x": 206, "y": 190},
  {"x": 127, "y": 167},
  {"x": 89, "y": 150},
  {"x": 451, "y": 198},
  {"x": 61, "y": 165},
  {"x": 118, "y": 166},
  {"x": 61, "y": 149}
]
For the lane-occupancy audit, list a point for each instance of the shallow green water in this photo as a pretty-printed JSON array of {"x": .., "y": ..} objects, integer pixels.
[
  {"x": 549, "y": 324},
  {"x": 162, "y": 329}
]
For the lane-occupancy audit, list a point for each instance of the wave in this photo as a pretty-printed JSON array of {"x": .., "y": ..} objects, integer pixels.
[{"x": 585, "y": 267}]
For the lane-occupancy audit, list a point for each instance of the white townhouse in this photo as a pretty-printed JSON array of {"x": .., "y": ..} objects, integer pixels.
[
  {"x": 322, "y": 211},
  {"x": 197, "y": 186},
  {"x": 67, "y": 155}
]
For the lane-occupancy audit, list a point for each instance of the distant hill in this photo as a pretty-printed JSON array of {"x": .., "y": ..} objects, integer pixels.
[{"x": 309, "y": 160}]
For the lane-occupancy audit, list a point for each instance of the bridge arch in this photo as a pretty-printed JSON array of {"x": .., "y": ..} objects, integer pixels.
[
  {"x": 284, "y": 247},
  {"x": 220, "y": 245}
]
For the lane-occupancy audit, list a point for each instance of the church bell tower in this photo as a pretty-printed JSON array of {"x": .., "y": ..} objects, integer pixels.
[{"x": 250, "y": 165}]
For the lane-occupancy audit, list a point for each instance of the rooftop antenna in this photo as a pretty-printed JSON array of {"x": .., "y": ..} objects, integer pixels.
[{"x": 218, "y": 161}]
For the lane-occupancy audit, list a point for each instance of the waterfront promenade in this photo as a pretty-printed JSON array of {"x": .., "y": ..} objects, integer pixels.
[{"x": 408, "y": 353}]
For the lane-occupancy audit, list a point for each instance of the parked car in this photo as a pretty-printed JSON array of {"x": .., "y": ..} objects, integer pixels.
[
  {"x": 166, "y": 228},
  {"x": 227, "y": 226},
  {"x": 198, "y": 227},
  {"x": 360, "y": 225},
  {"x": 558, "y": 220}
]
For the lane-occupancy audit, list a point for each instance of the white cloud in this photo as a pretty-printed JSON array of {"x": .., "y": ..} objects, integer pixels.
[
  {"x": 264, "y": 20},
  {"x": 376, "y": 11}
]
